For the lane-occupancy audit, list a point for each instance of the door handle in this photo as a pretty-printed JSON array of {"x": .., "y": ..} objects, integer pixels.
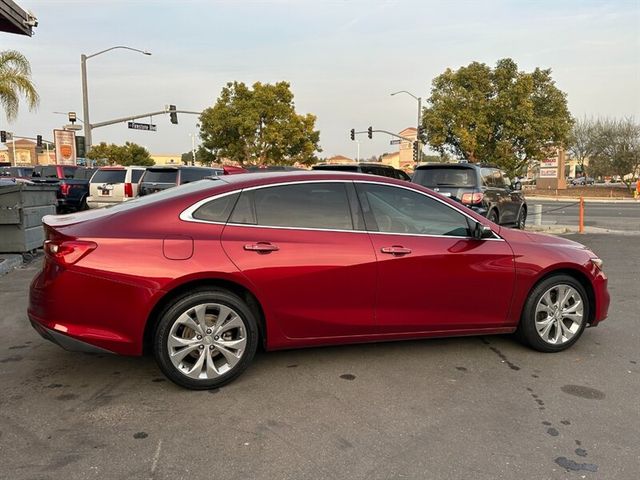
[
  {"x": 396, "y": 250},
  {"x": 261, "y": 247}
]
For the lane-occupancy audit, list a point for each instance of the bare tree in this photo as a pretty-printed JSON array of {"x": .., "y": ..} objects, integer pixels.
[
  {"x": 581, "y": 144},
  {"x": 617, "y": 149}
]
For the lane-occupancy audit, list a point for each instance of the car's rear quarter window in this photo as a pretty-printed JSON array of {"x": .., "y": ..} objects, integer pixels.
[{"x": 217, "y": 210}]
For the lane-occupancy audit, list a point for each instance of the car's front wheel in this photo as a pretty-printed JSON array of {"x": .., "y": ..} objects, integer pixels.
[
  {"x": 555, "y": 314},
  {"x": 205, "y": 339}
]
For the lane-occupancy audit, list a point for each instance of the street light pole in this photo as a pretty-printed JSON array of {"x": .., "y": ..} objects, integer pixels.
[
  {"x": 85, "y": 103},
  {"x": 85, "y": 91},
  {"x": 419, "y": 100}
]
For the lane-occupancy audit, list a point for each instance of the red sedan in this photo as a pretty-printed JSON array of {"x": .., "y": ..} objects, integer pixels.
[{"x": 203, "y": 273}]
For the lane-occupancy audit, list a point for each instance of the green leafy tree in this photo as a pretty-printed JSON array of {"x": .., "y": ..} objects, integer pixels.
[
  {"x": 15, "y": 82},
  {"x": 259, "y": 125},
  {"x": 616, "y": 149},
  {"x": 128, "y": 154},
  {"x": 203, "y": 156},
  {"x": 501, "y": 115}
]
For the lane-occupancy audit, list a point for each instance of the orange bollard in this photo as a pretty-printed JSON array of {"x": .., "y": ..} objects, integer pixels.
[{"x": 581, "y": 221}]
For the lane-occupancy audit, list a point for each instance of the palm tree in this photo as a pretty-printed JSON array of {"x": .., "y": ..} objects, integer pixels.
[{"x": 15, "y": 81}]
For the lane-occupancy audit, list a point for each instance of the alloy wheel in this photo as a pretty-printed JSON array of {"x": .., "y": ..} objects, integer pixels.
[
  {"x": 559, "y": 314},
  {"x": 207, "y": 341}
]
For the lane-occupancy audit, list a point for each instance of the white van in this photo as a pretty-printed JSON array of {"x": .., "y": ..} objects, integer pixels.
[{"x": 112, "y": 185}]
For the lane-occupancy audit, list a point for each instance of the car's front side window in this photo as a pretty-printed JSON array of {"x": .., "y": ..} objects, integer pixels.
[
  {"x": 304, "y": 205},
  {"x": 398, "y": 210}
]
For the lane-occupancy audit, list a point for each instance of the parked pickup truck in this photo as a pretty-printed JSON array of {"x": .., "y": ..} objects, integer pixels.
[{"x": 72, "y": 181}]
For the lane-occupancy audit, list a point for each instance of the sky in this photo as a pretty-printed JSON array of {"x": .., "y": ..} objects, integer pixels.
[{"x": 343, "y": 58}]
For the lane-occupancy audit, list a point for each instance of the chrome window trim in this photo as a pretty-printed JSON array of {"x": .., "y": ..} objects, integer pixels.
[{"x": 187, "y": 214}]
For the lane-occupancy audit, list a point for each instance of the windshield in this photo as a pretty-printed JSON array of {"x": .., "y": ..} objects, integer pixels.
[{"x": 445, "y": 177}]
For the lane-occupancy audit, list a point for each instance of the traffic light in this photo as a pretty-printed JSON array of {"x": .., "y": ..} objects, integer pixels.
[
  {"x": 173, "y": 115},
  {"x": 370, "y": 132},
  {"x": 420, "y": 132},
  {"x": 416, "y": 150},
  {"x": 353, "y": 134},
  {"x": 3, "y": 136},
  {"x": 39, "y": 141},
  {"x": 80, "y": 146}
]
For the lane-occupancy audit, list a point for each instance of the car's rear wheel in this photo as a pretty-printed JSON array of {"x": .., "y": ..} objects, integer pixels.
[
  {"x": 493, "y": 215},
  {"x": 205, "y": 339},
  {"x": 555, "y": 314},
  {"x": 522, "y": 219}
]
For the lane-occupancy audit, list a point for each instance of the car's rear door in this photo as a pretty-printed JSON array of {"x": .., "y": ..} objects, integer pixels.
[
  {"x": 304, "y": 248},
  {"x": 432, "y": 275}
]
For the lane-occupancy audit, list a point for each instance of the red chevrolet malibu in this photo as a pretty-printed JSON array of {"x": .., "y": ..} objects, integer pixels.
[{"x": 203, "y": 273}]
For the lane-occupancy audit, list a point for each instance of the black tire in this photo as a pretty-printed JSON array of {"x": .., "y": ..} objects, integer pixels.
[
  {"x": 493, "y": 215},
  {"x": 527, "y": 332},
  {"x": 522, "y": 219},
  {"x": 184, "y": 304},
  {"x": 83, "y": 204}
]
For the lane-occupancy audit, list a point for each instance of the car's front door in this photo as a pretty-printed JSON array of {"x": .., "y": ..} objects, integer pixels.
[
  {"x": 432, "y": 276},
  {"x": 309, "y": 258}
]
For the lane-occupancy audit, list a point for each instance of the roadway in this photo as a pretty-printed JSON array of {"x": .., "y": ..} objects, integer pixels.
[{"x": 612, "y": 215}]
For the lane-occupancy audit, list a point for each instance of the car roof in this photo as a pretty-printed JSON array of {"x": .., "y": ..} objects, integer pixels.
[
  {"x": 355, "y": 165},
  {"x": 456, "y": 165},
  {"x": 245, "y": 180}
]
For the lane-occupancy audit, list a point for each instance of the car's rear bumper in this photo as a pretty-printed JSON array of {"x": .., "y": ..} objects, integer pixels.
[
  {"x": 97, "y": 202},
  {"x": 80, "y": 311},
  {"x": 64, "y": 341}
]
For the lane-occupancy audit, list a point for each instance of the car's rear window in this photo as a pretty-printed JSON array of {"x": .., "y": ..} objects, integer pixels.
[
  {"x": 445, "y": 177},
  {"x": 83, "y": 173},
  {"x": 167, "y": 194},
  {"x": 109, "y": 176},
  {"x": 69, "y": 172},
  {"x": 192, "y": 174},
  {"x": 163, "y": 175}
]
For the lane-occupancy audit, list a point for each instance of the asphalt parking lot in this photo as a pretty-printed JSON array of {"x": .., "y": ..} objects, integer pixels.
[{"x": 472, "y": 408}]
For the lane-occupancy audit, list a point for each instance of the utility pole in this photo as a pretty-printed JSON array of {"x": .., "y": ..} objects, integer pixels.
[{"x": 85, "y": 103}]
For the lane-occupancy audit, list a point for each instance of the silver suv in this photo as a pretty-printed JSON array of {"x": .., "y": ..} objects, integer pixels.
[{"x": 112, "y": 185}]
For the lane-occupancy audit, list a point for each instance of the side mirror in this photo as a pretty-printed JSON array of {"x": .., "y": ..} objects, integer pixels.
[
  {"x": 517, "y": 186},
  {"x": 481, "y": 231}
]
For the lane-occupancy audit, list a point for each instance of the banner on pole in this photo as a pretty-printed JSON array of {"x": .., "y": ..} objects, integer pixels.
[{"x": 65, "y": 141}]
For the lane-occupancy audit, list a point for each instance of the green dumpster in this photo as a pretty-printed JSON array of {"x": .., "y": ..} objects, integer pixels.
[{"x": 21, "y": 210}]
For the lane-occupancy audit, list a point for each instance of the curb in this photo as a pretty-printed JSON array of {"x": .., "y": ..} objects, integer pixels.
[
  {"x": 566, "y": 229},
  {"x": 587, "y": 200},
  {"x": 9, "y": 261}
]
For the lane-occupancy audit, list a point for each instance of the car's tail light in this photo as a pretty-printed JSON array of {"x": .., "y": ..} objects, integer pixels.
[
  {"x": 128, "y": 190},
  {"x": 68, "y": 252},
  {"x": 65, "y": 188},
  {"x": 472, "y": 198}
]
